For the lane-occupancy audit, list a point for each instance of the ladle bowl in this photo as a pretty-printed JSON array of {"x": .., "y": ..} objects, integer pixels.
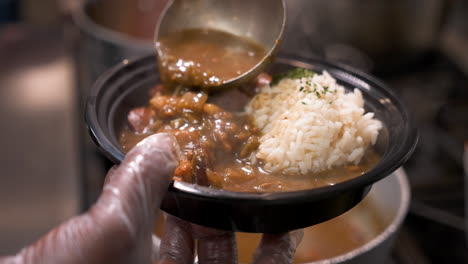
[{"x": 262, "y": 21}]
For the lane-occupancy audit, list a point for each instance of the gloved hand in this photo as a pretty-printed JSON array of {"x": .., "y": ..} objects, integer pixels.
[
  {"x": 219, "y": 247},
  {"x": 118, "y": 228}
]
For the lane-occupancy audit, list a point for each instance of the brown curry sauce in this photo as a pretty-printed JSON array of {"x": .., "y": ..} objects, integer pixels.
[
  {"x": 217, "y": 143},
  {"x": 216, "y": 136},
  {"x": 205, "y": 57}
]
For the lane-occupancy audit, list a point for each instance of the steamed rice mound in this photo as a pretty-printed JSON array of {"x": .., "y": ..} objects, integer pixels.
[{"x": 311, "y": 125}]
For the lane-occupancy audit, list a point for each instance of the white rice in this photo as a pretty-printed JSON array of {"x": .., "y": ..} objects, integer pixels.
[{"x": 311, "y": 129}]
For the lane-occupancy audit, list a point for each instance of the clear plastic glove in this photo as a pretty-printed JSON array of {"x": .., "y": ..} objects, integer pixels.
[
  {"x": 217, "y": 246},
  {"x": 119, "y": 227}
]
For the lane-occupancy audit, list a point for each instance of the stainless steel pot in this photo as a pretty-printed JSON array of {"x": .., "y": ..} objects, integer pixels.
[
  {"x": 370, "y": 34},
  {"x": 105, "y": 38},
  {"x": 390, "y": 199},
  {"x": 108, "y": 31}
]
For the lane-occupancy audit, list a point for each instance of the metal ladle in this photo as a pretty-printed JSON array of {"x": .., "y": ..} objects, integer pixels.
[{"x": 262, "y": 21}]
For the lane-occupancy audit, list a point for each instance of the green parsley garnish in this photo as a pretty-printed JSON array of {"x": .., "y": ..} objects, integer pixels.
[{"x": 296, "y": 73}]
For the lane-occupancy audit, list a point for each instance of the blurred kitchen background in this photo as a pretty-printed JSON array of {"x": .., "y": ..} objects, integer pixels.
[{"x": 52, "y": 50}]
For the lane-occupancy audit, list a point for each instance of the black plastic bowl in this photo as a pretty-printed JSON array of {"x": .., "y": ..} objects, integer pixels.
[{"x": 126, "y": 86}]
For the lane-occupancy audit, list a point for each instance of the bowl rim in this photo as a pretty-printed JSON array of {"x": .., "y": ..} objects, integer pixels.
[{"x": 405, "y": 147}]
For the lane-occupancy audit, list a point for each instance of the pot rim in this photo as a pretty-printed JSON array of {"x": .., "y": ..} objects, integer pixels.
[
  {"x": 390, "y": 230},
  {"x": 86, "y": 23},
  {"x": 403, "y": 184}
]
